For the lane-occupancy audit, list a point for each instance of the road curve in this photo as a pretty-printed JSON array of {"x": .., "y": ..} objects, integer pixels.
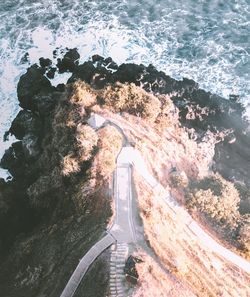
[{"x": 85, "y": 263}]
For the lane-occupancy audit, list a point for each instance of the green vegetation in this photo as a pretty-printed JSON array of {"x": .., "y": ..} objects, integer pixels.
[
  {"x": 244, "y": 234},
  {"x": 217, "y": 198},
  {"x": 220, "y": 200}
]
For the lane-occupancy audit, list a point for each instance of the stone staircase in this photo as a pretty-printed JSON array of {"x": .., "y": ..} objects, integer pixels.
[{"x": 117, "y": 284}]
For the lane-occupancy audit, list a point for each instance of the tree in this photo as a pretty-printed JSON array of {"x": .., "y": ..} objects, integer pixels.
[{"x": 217, "y": 198}]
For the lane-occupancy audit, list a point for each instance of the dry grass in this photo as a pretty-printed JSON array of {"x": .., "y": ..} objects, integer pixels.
[
  {"x": 155, "y": 282},
  {"x": 74, "y": 140},
  {"x": 244, "y": 235},
  {"x": 165, "y": 149},
  {"x": 92, "y": 197},
  {"x": 182, "y": 253},
  {"x": 178, "y": 248},
  {"x": 144, "y": 120}
]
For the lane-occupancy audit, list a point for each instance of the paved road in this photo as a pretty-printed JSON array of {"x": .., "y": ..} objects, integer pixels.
[{"x": 123, "y": 227}]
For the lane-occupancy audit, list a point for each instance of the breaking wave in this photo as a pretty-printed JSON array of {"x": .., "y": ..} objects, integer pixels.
[{"x": 207, "y": 41}]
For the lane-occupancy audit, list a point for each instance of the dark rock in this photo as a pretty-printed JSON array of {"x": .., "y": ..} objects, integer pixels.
[
  {"x": 55, "y": 53},
  {"x": 99, "y": 61},
  {"x": 130, "y": 269},
  {"x": 13, "y": 160},
  {"x": 150, "y": 79},
  {"x": 24, "y": 123},
  {"x": 6, "y": 136},
  {"x": 30, "y": 146},
  {"x": 61, "y": 88},
  {"x": 30, "y": 84},
  {"x": 65, "y": 65},
  {"x": 25, "y": 58},
  {"x": 51, "y": 72},
  {"x": 97, "y": 58},
  {"x": 45, "y": 62},
  {"x": 84, "y": 72},
  {"x": 101, "y": 77},
  {"x": 15, "y": 214},
  {"x": 73, "y": 55},
  {"x": 234, "y": 98},
  {"x": 69, "y": 61},
  {"x": 4, "y": 203},
  {"x": 108, "y": 61},
  {"x": 130, "y": 73},
  {"x": 110, "y": 64},
  {"x": 44, "y": 103}
]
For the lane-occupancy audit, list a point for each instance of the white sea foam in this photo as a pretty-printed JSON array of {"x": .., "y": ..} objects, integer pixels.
[{"x": 202, "y": 41}]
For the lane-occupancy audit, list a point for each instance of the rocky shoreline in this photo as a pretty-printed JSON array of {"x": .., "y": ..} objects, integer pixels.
[{"x": 39, "y": 198}]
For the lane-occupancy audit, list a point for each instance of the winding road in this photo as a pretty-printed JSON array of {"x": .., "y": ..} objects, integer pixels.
[{"x": 122, "y": 232}]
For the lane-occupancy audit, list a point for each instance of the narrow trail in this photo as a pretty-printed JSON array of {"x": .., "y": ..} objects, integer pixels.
[{"x": 85, "y": 263}]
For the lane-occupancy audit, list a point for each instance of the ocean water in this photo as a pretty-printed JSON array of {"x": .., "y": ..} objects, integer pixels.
[{"x": 206, "y": 40}]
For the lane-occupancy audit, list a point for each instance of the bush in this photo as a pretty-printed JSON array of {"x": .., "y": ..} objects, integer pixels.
[
  {"x": 86, "y": 140},
  {"x": 70, "y": 165},
  {"x": 244, "y": 234},
  {"x": 179, "y": 179},
  {"x": 82, "y": 94},
  {"x": 217, "y": 198},
  {"x": 109, "y": 144},
  {"x": 132, "y": 99},
  {"x": 244, "y": 198}
]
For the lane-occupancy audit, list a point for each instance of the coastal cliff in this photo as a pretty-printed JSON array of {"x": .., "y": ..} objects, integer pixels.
[{"x": 59, "y": 202}]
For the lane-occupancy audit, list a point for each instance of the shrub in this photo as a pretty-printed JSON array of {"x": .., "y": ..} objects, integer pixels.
[
  {"x": 86, "y": 140},
  {"x": 244, "y": 198},
  {"x": 82, "y": 94},
  {"x": 132, "y": 99},
  {"x": 179, "y": 179},
  {"x": 70, "y": 165},
  {"x": 109, "y": 144},
  {"x": 244, "y": 234},
  {"x": 217, "y": 198}
]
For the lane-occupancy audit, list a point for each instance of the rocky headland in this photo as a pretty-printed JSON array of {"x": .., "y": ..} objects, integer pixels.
[{"x": 58, "y": 202}]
